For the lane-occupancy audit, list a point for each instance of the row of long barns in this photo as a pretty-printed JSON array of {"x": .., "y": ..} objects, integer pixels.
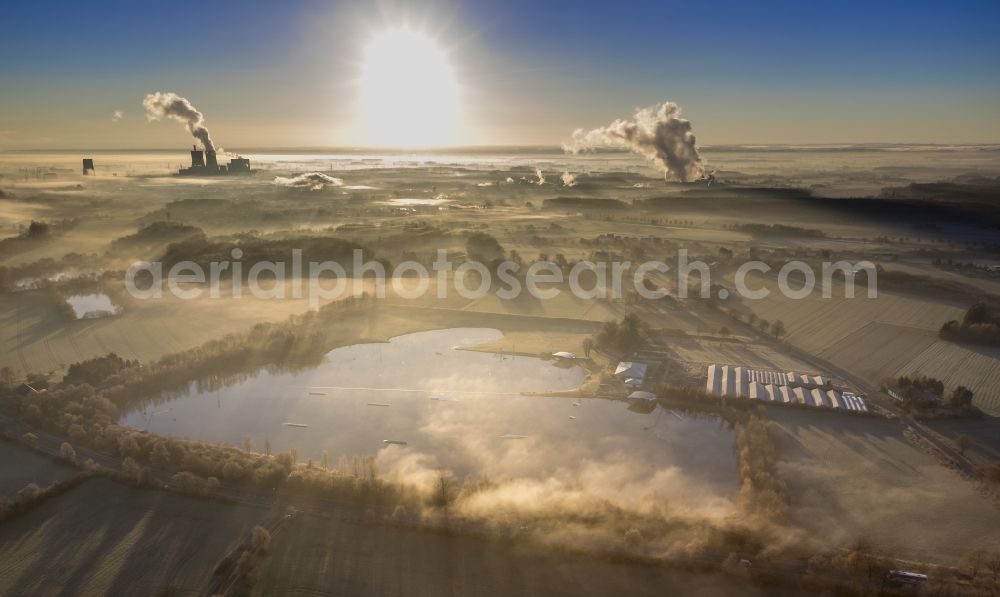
[{"x": 779, "y": 387}]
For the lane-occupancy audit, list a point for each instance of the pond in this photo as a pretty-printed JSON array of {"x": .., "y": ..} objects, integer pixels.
[
  {"x": 420, "y": 402},
  {"x": 87, "y": 306}
]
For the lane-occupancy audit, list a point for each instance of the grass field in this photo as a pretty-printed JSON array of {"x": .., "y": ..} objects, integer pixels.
[
  {"x": 22, "y": 466},
  {"x": 105, "y": 539},
  {"x": 341, "y": 557},
  {"x": 853, "y": 478}
]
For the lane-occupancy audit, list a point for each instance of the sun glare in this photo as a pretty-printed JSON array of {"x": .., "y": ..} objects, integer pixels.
[{"x": 409, "y": 96}]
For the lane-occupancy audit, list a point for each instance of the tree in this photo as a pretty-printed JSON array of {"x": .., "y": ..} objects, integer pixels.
[
  {"x": 30, "y": 439},
  {"x": 973, "y": 560},
  {"x": 778, "y": 329},
  {"x": 29, "y": 492},
  {"x": 483, "y": 246},
  {"x": 977, "y": 313},
  {"x": 267, "y": 447},
  {"x": 961, "y": 397},
  {"x": 588, "y": 345},
  {"x": 7, "y": 378},
  {"x": 131, "y": 469},
  {"x": 67, "y": 452},
  {"x": 260, "y": 539},
  {"x": 994, "y": 566},
  {"x": 248, "y": 443},
  {"x": 724, "y": 332},
  {"x": 160, "y": 455},
  {"x": 37, "y": 229},
  {"x": 963, "y": 441},
  {"x": 445, "y": 489}
]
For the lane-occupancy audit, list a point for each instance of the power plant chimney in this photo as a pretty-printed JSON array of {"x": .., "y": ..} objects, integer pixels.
[
  {"x": 88, "y": 166},
  {"x": 197, "y": 157}
]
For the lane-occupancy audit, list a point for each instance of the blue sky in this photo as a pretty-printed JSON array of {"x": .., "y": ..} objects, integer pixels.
[{"x": 283, "y": 74}]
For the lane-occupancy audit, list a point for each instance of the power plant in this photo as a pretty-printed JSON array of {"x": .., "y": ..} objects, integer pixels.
[{"x": 205, "y": 163}]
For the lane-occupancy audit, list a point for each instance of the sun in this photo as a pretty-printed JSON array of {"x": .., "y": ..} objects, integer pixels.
[{"x": 409, "y": 96}]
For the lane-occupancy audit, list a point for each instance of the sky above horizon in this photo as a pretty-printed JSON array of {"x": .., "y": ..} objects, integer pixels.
[{"x": 321, "y": 74}]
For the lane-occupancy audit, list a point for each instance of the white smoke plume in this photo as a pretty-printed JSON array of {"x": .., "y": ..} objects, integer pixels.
[
  {"x": 657, "y": 132},
  {"x": 541, "y": 177},
  {"x": 314, "y": 181},
  {"x": 568, "y": 180},
  {"x": 171, "y": 105},
  {"x": 117, "y": 115}
]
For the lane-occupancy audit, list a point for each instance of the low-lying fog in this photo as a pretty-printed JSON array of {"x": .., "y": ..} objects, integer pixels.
[{"x": 462, "y": 410}]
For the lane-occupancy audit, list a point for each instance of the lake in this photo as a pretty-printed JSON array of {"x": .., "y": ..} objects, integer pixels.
[{"x": 462, "y": 410}]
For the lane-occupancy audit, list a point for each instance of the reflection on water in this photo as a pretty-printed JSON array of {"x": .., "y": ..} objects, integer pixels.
[
  {"x": 413, "y": 201},
  {"x": 86, "y": 306},
  {"x": 461, "y": 410}
]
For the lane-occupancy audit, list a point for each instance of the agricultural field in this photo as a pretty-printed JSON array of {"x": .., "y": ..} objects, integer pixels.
[
  {"x": 975, "y": 367},
  {"x": 989, "y": 285},
  {"x": 816, "y": 323},
  {"x": 346, "y": 557},
  {"x": 36, "y": 335},
  {"x": 22, "y": 466},
  {"x": 853, "y": 478},
  {"x": 704, "y": 351},
  {"x": 105, "y": 539},
  {"x": 879, "y": 350}
]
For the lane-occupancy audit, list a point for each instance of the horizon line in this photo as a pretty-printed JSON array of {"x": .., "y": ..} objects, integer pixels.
[{"x": 504, "y": 147}]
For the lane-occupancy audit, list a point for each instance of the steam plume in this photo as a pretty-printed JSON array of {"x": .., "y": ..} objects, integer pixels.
[
  {"x": 314, "y": 181},
  {"x": 171, "y": 105},
  {"x": 657, "y": 132},
  {"x": 541, "y": 177},
  {"x": 117, "y": 116},
  {"x": 568, "y": 180}
]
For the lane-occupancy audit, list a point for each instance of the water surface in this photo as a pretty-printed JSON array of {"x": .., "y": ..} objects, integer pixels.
[{"x": 462, "y": 410}]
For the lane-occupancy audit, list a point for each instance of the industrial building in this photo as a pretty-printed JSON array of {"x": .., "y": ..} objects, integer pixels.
[
  {"x": 205, "y": 163},
  {"x": 782, "y": 387}
]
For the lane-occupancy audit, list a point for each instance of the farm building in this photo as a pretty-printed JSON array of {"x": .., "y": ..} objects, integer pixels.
[
  {"x": 779, "y": 387},
  {"x": 631, "y": 373}
]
